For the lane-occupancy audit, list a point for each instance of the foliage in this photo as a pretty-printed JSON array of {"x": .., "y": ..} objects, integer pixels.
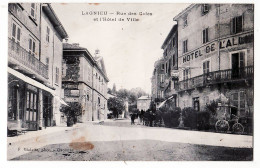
[
  {"x": 190, "y": 117},
  {"x": 116, "y": 105},
  {"x": 72, "y": 111},
  {"x": 152, "y": 106},
  {"x": 123, "y": 94},
  {"x": 132, "y": 107},
  {"x": 109, "y": 91},
  {"x": 212, "y": 107},
  {"x": 170, "y": 117},
  {"x": 203, "y": 120}
]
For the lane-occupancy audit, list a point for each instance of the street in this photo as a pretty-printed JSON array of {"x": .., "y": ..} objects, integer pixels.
[{"x": 120, "y": 141}]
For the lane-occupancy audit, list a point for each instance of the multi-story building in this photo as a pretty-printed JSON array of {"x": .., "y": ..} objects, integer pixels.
[
  {"x": 31, "y": 91},
  {"x": 170, "y": 53},
  {"x": 143, "y": 103},
  {"x": 158, "y": 81},
  {"x": 215, "y": 55},
  {"x": 85, "y": 81},
  {"x": 165, "y": 74}
]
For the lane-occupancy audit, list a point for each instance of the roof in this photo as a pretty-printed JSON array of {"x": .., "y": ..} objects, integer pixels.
[
  {"x": 144, "y": 98},
  {"x": 46, "y": 7},
  {"x": 173, "y": 30},
  {"x": 183, "y": 12}
]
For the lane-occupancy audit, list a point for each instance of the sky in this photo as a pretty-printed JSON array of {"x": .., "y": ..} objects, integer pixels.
[{"x": 129, "y": 48}]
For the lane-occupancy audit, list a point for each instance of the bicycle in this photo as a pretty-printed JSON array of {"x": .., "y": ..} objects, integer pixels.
[{"x": 223, "y": 125}]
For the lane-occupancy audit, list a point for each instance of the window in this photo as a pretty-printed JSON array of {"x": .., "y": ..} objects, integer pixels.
[
  {"x": 185, "y": 46},
  {"x": 32, "y": 46},
  {"x": 166, "y": 67},
  {"x": 206, "y": 67},
  {"x": 33, "y": 10},
  {"x": 239, "y": 100},
  {"x": 175, "y": 84},
  {"x": 204, "y": 9},
  {"x": 163, "y": 66},
  {"x": 47, "y": 62},
  {"x": 205, "y": 35},
  {"x": 185, "y": 74},
  {"x": 48, "y": 34},
  {"x": 196, "y": 104},
  {"x": 31, "y": 106},
  {"x": 89, "y": 73},
  {"x": 98, "y": 101},
  {"x": 57, "y": 75},
  {"x": 185, "y": 21},
  {"x": 165, "y": 52},
  {"x": 237, "y": 24},
  {"x": 173, "y": 60},
  {"x": 162, "y": 78},
  {"x": 16, "y": 33},
  {"x": 173, "y": 42}
]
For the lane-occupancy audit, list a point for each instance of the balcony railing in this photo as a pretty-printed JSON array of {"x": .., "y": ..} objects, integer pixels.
[
  {"x": 23, "y": 57},
  {"x": 229, "y": 75}
]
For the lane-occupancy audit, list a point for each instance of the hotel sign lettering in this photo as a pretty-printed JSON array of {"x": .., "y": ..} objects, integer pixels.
[{"x": 223, "y": 44}]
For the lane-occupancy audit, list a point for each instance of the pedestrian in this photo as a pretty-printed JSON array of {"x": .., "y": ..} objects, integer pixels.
[{"x": 133, "y": 119}]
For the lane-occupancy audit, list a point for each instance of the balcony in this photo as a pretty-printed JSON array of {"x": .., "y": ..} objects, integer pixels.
[
  {"x": 222, "y": 76},
  {"x": 20, "y": 57}
]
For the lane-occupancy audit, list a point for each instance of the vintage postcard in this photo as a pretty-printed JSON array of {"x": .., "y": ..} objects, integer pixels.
[{"x": 130, "y": 82}]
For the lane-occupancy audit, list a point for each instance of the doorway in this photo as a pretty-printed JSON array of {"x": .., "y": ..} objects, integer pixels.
[
  {"x": 238, "y": 64},
  {"x": 47, "y": 111}
]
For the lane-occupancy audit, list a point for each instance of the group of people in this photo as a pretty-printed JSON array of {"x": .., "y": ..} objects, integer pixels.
[
  {"x": 139, "y": 116},
  {"x": 148, "y": 118}
]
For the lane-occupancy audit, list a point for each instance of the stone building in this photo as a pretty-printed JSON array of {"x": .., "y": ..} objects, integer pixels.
[
  {"x": 143, "y": 103},
  {"x": 32, "y": 94},
  {"x": 158, "y": 79},
  {"x": 170, "y": 53},
  {"x": 215, "y": 55},
  {"x": 165, "y": 74},
  {"x": 84, "y": 80}
]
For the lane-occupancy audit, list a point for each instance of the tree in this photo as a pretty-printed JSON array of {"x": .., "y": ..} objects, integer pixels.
[
  {"x": 123, "y": 94},
  {"x": 73, "y": 110},
  {"x": 114, "y": 89},
  {"x": 132, "y": 99},
  {"x": 138, "y": 92},
  {"x": 109, "y": 91},
  {"x": 116, "y": 105}
]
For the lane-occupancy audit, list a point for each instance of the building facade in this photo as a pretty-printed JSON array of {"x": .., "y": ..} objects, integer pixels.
[
  {"x": 158, "y": 80},
  {"x": 31, "y": 92},
  {"x": 165, "y": 74},
  {"x": 84, "y": 80},
  {"x": 216, "y": 56},
  {"x": 143, "y": 103},
  {"x": 170, "y": 53}
]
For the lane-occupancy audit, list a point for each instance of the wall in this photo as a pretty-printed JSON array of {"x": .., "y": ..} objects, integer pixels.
[
  {"x": 28, "y": 27},
  {"x": 53, "y": 51}
]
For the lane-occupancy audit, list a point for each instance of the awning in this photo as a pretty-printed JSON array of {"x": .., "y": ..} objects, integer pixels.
[
  {"x": 162, "y": 103},
  {"x": 30, "y": 81},
  {"x": 58, "y": 98},
  {"x": 36, "y": 84}
]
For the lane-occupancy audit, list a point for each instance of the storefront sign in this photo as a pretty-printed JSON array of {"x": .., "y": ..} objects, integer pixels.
[
  {"x": 223, "y": 44},
  {"x": 70, "y": 86},
  {"x": 71, "y": 99},
  {"x": 74, "y": 93}
]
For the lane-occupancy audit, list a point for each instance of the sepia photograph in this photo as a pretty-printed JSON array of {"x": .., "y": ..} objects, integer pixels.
[{"x": 130, "y": 81}]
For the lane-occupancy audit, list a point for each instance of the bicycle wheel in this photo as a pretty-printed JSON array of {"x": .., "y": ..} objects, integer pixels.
[
  {"x": 238, "y": 128},
  {"x": 222, "y": 126}
]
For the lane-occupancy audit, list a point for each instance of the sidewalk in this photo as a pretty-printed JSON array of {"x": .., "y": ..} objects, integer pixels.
[{"x": 48, "y": 130}]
